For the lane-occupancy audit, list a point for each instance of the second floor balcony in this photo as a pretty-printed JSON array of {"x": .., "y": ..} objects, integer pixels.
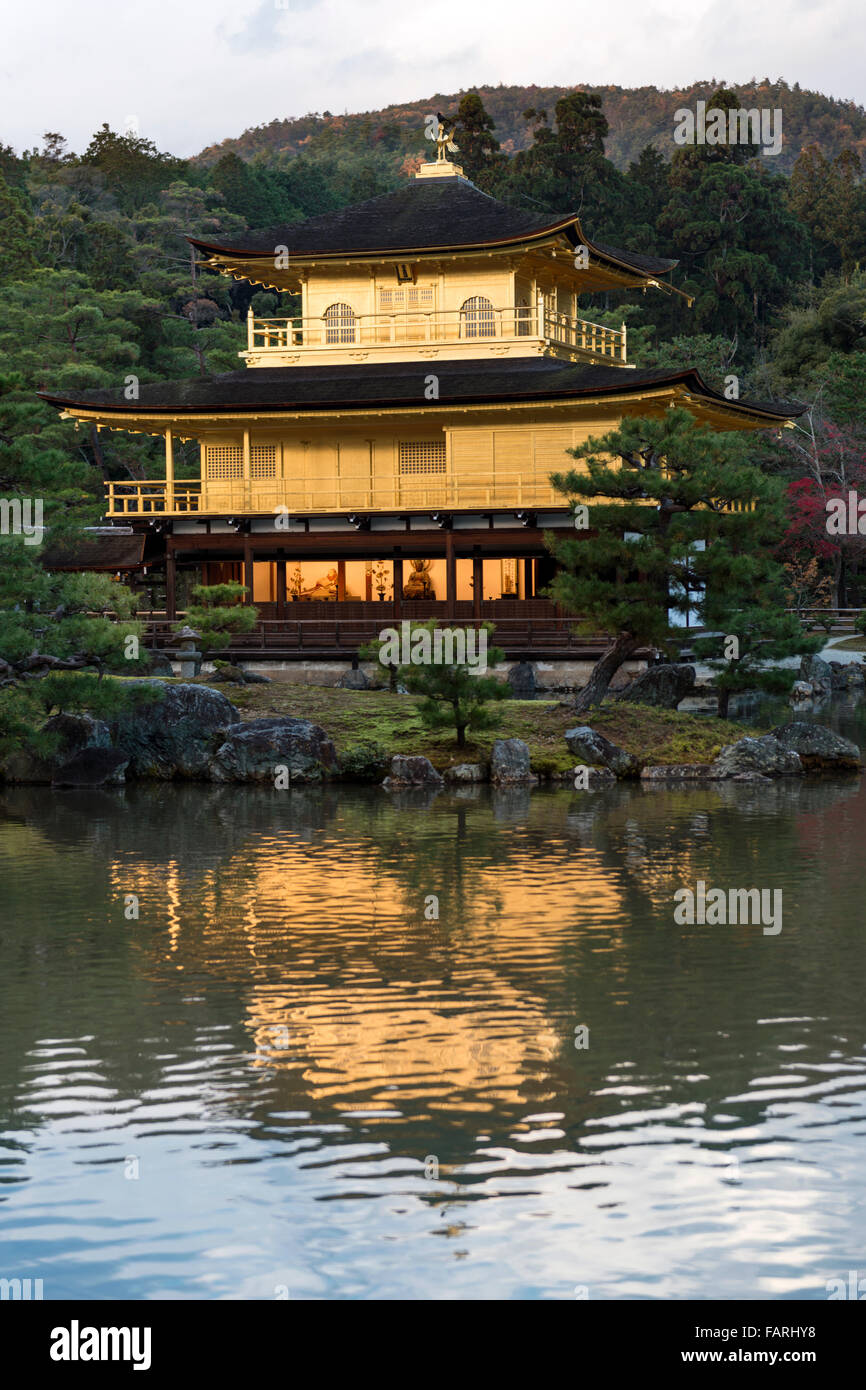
[
  {"x": 477, "y": 329},
  {"x": 329, "y": 493}
]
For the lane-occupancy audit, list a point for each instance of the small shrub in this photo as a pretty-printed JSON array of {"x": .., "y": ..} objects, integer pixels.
[{"x": 366, "y": 762}]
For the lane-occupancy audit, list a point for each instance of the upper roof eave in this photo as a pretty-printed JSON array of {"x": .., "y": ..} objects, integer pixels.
[
  {"x": 428, "y": 218},
  {"x": 607, "y": 254},
  {"x": 369, "y": 253}
]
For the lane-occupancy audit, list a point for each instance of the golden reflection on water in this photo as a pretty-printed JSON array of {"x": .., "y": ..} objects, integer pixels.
[{"x": 288, "y": 1027}]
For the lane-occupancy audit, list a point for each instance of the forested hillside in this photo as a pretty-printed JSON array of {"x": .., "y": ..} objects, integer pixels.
[{"x": 637, "y": 116}]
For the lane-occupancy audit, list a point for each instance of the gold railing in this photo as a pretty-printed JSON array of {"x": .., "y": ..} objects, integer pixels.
[
  {"x": 591, "y": 339},
  {"x": 153, "y": 498},
  {"x": 438, "y": 327},
  {"x": 330, "y": 493},
  {"x": 260, "y": 497}
]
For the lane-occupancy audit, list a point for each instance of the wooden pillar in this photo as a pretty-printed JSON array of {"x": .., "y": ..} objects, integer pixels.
[
  {"x": 341, "y": 580},
  {"x": 281, "y": 584},
  {"x": 248, "y": 568},
  {"x": 170, "y": 583},
  {"x": 477, "y": 585},
  {"x": 398, "y": 586},
  {"x": 169, "y": 472},
  {"x": 527, "y": 579},
  {"x": 247, "y": 471},
  {"x": 450, "y": 576}
]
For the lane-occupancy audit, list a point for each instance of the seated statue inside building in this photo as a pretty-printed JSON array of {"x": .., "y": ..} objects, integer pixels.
[
  {"x": 324, "y": 587},
  {"x": 419, "y": 584}
]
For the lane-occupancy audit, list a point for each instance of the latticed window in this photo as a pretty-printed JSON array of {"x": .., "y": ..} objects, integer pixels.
[
  {"x": 263, "y": 461},
  {"x": 339, "y": 323},
  {"x": 224, "y": 461},
  {"x": 397, "y": 301},
  {"x": 422, "y": 456},
  {"x": 477, "y": 319}
]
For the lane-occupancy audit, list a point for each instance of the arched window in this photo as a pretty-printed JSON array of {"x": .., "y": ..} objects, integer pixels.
[
  {"x": 477, "y": 319},
  {"x": 339, "y": 323}
]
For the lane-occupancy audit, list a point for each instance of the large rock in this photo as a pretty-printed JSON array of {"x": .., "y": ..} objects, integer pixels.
[
  {"x": 855, "y": 677},
  {"x": 177, "y": 734},
  {"x": 663, "y": 686},
  {"x": 408, "y": 771},
  {"x": 594, "y": 750},
  {"x": 92, "y": 767},
  {"x": 354, "y": 679},
  {"x": 71, "y": 735},
  {"x": 801, "y": 690},
  {"x": 817, "y": 672},
  {"x": 521, "y": 678},
  {"x": 509, "y": 762},
  {"x": 257, "y": 750},
  {"x": 765, "y": 756},
  {"x": 158, "y": 664},
  {"x": 838, "y": 675},
  {"x": 20, "y": 765},
  {"x": 77, "y": 731},
  {"x": 227, "y": 674},
  {"x": 463, "y": 773},
  {"x": 818, "y": 747}
]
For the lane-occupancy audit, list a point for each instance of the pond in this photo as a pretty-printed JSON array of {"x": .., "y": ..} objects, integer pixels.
[{"x": 331, "y": 1043}]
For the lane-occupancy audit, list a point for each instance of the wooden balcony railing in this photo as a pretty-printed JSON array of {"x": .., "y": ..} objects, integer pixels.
[
  {"x": 438, "y": 327},
  {"x": 334, "y": 494},
  {"x": 153, "y": 497},
  {"x": 591, "y": 340},
  {"x": 259, "y": 497}
]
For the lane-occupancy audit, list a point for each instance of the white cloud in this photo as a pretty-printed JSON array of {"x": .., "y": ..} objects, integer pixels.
[{"x": 198, "y": 72}]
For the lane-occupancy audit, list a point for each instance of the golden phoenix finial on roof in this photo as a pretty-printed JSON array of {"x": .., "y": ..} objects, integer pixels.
[{"x": 445, "y": 132}]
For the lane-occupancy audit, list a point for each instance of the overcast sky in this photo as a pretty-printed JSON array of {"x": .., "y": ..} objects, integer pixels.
[{"x": 192, "y": 72}]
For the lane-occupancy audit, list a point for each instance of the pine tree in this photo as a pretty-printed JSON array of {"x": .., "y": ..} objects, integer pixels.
[
  {"x": 52, "y": 621},
  {"x": 133, "y": 168},
  {"x": 479, "y": 149},
  {"x": 683, "y": 518},
  {"x": 17, "y": 234},
  {"x": 756, "y": 636},
  {"x": 454, "y": 697},
  {"x": 218, "y": 612}
]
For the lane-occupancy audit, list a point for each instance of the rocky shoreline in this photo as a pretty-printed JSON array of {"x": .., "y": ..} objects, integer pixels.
[{"x": 195, "y": 733}]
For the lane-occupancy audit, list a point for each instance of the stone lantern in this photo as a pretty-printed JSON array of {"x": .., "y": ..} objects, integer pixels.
[{"x": 186, "y": 652}]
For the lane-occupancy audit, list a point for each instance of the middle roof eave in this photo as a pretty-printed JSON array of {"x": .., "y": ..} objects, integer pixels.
[{"x": 369, "y": 387}]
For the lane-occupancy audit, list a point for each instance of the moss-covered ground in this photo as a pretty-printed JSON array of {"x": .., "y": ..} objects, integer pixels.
[{"x": 360, "y": 719}]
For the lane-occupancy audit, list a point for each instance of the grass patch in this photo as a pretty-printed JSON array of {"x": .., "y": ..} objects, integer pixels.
[
  {"x": 850, "y": 644},
  {"x": 660, "y": 737},
  {"x": 360, "y": 720}
]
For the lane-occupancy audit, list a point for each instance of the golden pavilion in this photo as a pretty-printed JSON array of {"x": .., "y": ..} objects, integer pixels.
[{"x": 387, "y": 453}]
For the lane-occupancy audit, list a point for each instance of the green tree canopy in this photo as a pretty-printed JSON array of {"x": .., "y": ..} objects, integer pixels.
[{"x": 675, "y": 512}]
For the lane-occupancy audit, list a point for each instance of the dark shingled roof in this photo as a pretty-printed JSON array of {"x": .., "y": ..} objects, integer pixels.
[
  {"x": 96, "y": 552},
  {"x": 371, "y": 385},
  {"x": 434, "y": 214}
]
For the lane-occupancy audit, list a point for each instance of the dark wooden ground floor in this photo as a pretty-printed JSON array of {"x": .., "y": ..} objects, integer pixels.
[
  {"x": 335, "y": 631},
  {"x": 462, "y": 559}
]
